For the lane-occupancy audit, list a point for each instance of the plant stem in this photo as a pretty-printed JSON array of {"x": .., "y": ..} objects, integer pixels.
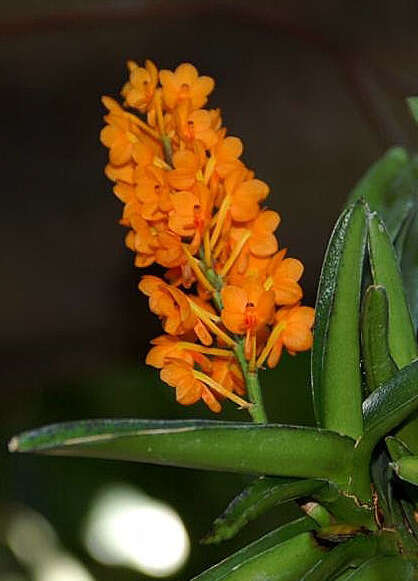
[{"x": 257, "y": 410}]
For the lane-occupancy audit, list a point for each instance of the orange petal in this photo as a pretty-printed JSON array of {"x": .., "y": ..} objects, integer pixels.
[
  {"x": 211, "y": 401},
  {"x": 234, "y": 298}
]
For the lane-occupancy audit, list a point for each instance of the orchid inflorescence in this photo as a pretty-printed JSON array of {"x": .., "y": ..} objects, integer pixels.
[{"x": 230, "y": 299}]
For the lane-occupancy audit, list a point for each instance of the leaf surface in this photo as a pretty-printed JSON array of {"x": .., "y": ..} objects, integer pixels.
[
  {"x": 378, "y": 363},
  {"x": 351, "y": 552},
  {"x": 235, "y": 447},
  {"x": 381, "y": 569},
  {"x": 283, "y": 555},
  {"x": 257, "y": 498},
  {"x": 391, "y": 404},
  {"x": 335, "y": 362},
  {"x": 407, "y": 469},
  {"x": 385, "y": 272}
]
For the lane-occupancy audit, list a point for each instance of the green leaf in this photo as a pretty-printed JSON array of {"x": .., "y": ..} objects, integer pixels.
[
  {"x": 336, "y": 379},
  {"x": 346, "y": 554},
  {"x": 275, "y": 557},
  {"x": 407, "y": 469},
  {"x": 236, "y": 447},
  {"x": 409, "y": 433},
  {"x": 389, "y": 405},
  {"x": 412, "y": 103},
  {"x": 260, "y": 496},
  {"x": 378, "y": 363},
  {"x": 381, "y": 569},
  {"x": 385, "y": 272},
  {"x": 407, "y": 248},
  {"x": 382, "y": 481},
  {"x": 318, "y": 513},
  {"x": 397, "y": 449},
  {"x": 389, "y": 187}
]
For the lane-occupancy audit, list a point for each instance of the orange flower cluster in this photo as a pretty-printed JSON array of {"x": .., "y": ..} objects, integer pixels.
[{"x": 193, "y": 207}]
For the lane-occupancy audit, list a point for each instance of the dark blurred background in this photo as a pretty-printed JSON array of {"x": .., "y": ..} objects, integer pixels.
[{"x": 315, "y": 90}]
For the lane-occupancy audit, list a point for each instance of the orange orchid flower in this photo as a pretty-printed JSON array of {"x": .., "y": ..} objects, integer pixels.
[
  {"x": 245, "y": 195},
  {"x": 294, "y": 331},
  {"x": 248, "y": 268},
  {"x": 246, "y": 310},
  {"x": 184, "y": 84},
  {"x": 186, "y": 165},
  {"x": 247, "y": 307},
  {"x": 284, "y": 274},
  {"x": 170, "y": 304},
  {"x": 196, "y": 125},
  {"x": 121, "y": 174},
  {"x": 169, "y": 253},
  {"x": 190, "y": 214},
  {"x": 226, "y": 153},
  {"x": 179, "y": 374},
  {"x": 227, "y": 373},
  {"x": 140, "y": 89},
  {"x": 153, "y": 193}
]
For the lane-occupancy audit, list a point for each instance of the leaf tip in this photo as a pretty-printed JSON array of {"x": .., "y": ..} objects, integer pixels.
[{"x": 13, "y": 444}]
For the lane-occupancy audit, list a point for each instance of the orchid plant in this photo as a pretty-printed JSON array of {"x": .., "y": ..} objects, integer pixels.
[{"x": 229, "y": 300}]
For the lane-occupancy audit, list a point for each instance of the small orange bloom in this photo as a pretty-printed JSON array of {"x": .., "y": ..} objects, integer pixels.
[
  {"x": 140, "y": 89},
  {"x": 246, "y": 308},
  {"x": 184, "y": 84},
  {"x": 153, "y": 193},
  {"x": 170, "y": 304},
  {"x": 249, "y": 268},
  {"x": 227, "y": 152},
  {"x": 123, "y": 173},
  {"x": 184, "y": 175},
  {"x": 169, "y": 253},
  {"x": 229, "y": 375},
  {"x": 245, "y": 195},
  {"x": 296, "y": 335},
  {"x": 195, "y": 125},
  {"x": 190, "y": 214},
  {"x": 284, "y": 274},
  {"x": 179, "y": 374},
  {"x": 166, "y": 348}
]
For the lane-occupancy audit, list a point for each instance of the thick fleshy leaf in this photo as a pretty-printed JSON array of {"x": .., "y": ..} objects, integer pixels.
[
  {"x": 385, "y": 272},
  {"x": 336, "y": 379},
  {"x": 389, "y": 187},
  {"x": 409, "y": 433},
  {"x": 382, "y": 481},
  {"x": 384, "y": 410},
  {"x": 283, "y": 555},
  {"x": 346, "y": 508},
  {"x": 407, "y": 250},
  {"x": 235, "y": 447},
  {"x": 381, "y": 569},
  {"x": 407, "y": 469},
  {"x": 378, "y": 363},
  {"x": 397, "y": 449},
  {"x": 350, "y": 553},
  {"x": 390, "y": 404},
  {"x": 318, "y": 513},
  {"x": 260, "y": 496}
]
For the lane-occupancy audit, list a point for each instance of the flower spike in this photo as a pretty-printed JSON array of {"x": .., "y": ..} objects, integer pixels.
[{"x": 229, "y": 299}]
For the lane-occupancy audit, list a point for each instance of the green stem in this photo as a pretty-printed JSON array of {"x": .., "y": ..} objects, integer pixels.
[
  {"x": 257, "y": 410},
  {"x": 252, "y": 383}
]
